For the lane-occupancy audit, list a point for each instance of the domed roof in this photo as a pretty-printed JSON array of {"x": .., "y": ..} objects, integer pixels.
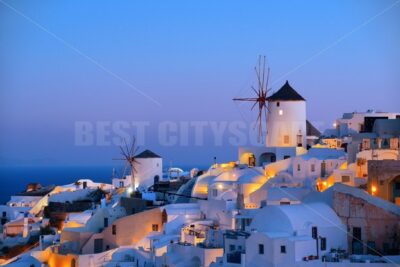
[
  {"x": 286, "y": 93},
  {"x": 291, "y": 218}
]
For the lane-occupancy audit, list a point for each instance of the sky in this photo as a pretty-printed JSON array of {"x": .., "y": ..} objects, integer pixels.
[{"x": 96, "y": 63}]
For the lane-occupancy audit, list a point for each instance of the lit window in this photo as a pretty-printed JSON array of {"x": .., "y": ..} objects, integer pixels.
[
  {"x": 154, "y": 227},
  {"x": 286, "y": 139},
  {"x": 345, "y": 179},
  {"x": 280, "y": 112}
]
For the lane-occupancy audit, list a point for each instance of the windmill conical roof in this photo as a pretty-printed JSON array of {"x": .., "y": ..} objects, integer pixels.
[{"x": 286, "y": 93}]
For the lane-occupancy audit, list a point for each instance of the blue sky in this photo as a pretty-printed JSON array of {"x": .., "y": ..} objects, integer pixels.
[{"x": 192, "y": 57}]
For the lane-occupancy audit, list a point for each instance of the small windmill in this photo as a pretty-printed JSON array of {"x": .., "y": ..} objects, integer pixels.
[
  {"x": 260, "y": 99},
  {"x": 128, "y": 155}
]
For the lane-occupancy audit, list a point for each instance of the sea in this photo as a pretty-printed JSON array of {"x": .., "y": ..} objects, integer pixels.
[{"x": 15, "y": 179}]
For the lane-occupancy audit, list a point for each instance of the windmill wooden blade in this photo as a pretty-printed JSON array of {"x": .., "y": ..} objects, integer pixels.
[
  {"x": 245, "y": 99},
  {"x": 263, "y": 76},
  {"x": 261, "y": 94},
  {"x": 132, "y": 149}
]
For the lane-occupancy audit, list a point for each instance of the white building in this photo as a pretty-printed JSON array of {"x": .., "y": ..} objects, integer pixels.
[
  {"x": 148, "y": 171},
  {"x": 285, "y": 235},
  {"x": 288, "y": 131},
  {"x": 286, "y": 120},
  {"x": 357, "y": 122}
]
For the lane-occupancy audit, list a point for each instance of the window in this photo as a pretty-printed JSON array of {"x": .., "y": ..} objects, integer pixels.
[
  {"x": 105, "y": 222},
  {"x": 314, "y": 232},
  {"x": 231, "y": 247},
  {"x": 154, "y": 227},
  {"x": 214, "y": 192},
  {"x": 283, "y": 249},
  {"x": 286, "y": 157},
  {"x": 357, "y": 233},
  {"x": 345, "y": 179},
  {"x": 312, "y": 167},
  {"x": 278, "y": 104},
  {"x": 286, "y": 139},
  {"x": 397, "y": 186},
  {"x": 323, "y": 243},
  {"x": 298, "y": 167},
  {"x": 260, "y": 249},
  {"x": 299, "y": 140},
  {"x": 4, "y": 214},
  {"x": 114, "y": 229},
  {"x": 280, "y": 112}
]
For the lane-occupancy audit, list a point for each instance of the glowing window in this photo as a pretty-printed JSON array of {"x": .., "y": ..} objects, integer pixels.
[
  {"x": 154, "y": 227},
  {"x": 345, "y": 179},
  {"x": 280, "y": 112},
  {"x": 286, "y": 139}
]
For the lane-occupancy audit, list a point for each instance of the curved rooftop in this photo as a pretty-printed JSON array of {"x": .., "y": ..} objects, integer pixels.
[{"x": 291, "y": 218}]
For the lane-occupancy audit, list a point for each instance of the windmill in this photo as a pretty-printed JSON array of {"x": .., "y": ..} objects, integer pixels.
[
  {"x": 260, "y": 100},
  {"x": 128, "y": 155}
]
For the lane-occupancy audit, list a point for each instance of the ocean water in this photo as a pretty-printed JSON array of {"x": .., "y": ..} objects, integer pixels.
[{"x": 15, "y": 179}]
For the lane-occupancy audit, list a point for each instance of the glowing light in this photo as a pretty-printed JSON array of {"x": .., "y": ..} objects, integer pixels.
[
  {"x": 324, "y": 183},
  {"x": 130, "y": 190},
  {"x": 220, "y": 186},
  {"x": 280, "y": 112},
  {"x": 373, "y": 189}
]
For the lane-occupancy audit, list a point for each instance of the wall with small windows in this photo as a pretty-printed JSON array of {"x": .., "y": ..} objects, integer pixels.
[
  {"x": 305, "y": 167},
  {"x": 286, "y": 124},
  {"x": 127, "y": 230}
]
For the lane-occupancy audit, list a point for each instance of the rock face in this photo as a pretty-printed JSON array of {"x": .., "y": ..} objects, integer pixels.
[{"x": 367, "y": 222}]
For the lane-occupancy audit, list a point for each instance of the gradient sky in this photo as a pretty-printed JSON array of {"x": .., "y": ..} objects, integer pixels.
[{"x": 192, "y": 57}]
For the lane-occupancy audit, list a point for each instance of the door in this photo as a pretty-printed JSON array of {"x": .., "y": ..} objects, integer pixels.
[
  {"x": 252, "y": 161},
  {"x": 357, "y": 246},
  {"x": 98, "y": 245},
  {"x": 323, "y": 169}
]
